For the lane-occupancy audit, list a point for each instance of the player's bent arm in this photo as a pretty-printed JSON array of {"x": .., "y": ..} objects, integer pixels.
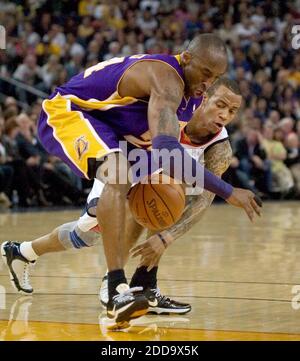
[
  {"x": 165, "y": 89},
  {"x": 217, "y": 160},
  {"x": 218, "y": 157},
  {"x": 165, "y": 97},
  {"x": 166, "y": 92}
]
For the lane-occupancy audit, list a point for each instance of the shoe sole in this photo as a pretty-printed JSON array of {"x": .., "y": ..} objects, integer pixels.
[
  {"x": 137, "y": 309},
  {"x": 126, "y": 324},
  {"x": 163, "y": 311},
  {"x": 158, "y": 311},
  {"x": 12, "y": 275}
]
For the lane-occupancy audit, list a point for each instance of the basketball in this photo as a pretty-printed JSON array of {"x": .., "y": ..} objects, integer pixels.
[{"x": 158, "y": 204}]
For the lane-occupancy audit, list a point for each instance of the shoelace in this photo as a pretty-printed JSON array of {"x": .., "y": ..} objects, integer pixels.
[
  {"x": 26, "y": 275},
  {"x": 128, "y": 294},
  {"x": 160, "y": 296}
]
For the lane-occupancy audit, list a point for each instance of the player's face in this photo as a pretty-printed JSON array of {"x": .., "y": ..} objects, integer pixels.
[
  {"x": 220, "y": 109},
  {"x": 200, "y": 72}
]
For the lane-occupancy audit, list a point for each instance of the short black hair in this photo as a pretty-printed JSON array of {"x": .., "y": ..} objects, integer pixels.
[
  {"x": 209, "y": 43},
  {"x": 228, "y": 83}
]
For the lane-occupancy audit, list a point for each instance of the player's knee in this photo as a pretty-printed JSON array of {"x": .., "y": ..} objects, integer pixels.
[
  {"x": 80, "y": 239},
  {"x": 70, "y": 236}
]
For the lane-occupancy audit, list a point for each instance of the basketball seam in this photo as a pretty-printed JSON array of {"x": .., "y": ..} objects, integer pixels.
[
  {"x": 146, "y": 207},
  {"x": 175, "y": 189},
  {"x": 163, "y": 202},
  {"x": 180, "y": 195}
]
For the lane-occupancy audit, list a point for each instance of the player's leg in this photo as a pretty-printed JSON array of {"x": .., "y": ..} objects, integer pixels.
[
  {"x": 123, "y": 304},
  {"x": 19, "y": 256},
  {"x": 133, "y": 231},
  {"x": 158, "y": 303},
  {"x": 83, "y": 233},
  {"x": 83, "y": 142}
]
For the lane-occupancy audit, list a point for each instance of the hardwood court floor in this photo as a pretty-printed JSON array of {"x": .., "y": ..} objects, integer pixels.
[{"x": 238, "y": 277}]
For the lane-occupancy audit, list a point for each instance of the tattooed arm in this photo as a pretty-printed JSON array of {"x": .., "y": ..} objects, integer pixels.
[
  {"x": 217, "y": 160},
  {"x": 165, "y": 89},
  {"x": 166, "y": 93}
]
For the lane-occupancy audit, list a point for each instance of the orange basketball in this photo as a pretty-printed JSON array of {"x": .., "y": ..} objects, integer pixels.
[{"x": 158, "y": 204}]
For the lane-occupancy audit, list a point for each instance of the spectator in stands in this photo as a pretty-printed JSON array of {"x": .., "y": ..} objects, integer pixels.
[
  {"x": 274, "y": 117},
  {"x": 45, "y": 172},
  {"x": 293, "y": 159},
  {"x": 28, "y": 72},
  {"x": 114, "y": 50},
  {"x": 246, "y": 31},
  {"x": 287, "y": 127},
  {"x": 49, "y": 73},
  {"x": 226, "y": 33},
  {"x": 282, "y": 180},
  {"x": 147, "y": 22},
  {"x": 6, "y": 176},
  {"x": 85, "y": 31},
  {"x": 41, "y": 36},
  {"x": 249, "y": 163},
  {"x": 25, "y": 188}
]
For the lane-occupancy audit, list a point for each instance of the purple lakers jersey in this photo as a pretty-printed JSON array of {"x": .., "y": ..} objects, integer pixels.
[{"x": 96, "y": 90}]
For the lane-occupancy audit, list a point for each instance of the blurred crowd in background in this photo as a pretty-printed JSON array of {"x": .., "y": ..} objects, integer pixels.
[{"x": 48, "y": 42}]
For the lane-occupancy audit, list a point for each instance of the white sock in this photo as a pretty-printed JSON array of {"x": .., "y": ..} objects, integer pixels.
[{"x": 28, "y": 252}]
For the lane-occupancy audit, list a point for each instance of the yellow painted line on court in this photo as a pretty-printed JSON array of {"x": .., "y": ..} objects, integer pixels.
[{"x": 56, "y": 331}]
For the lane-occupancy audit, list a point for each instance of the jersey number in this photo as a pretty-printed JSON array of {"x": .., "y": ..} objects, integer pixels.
[{"x": 102, "y": 65}]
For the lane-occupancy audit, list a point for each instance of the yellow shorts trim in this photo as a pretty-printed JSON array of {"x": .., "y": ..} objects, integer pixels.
[
  {"x": 112, "y": 102},
  {"x": 74, "y": 133}
]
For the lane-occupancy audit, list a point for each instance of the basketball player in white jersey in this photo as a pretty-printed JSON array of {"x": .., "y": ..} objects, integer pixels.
[{"x": 206, "y": 139}]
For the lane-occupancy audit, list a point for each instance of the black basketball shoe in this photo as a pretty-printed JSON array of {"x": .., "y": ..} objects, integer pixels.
[
  {"x": 159, "y": 304},
  {"x": 128, "y": 304},
  {"x": 18, "y": 266}
]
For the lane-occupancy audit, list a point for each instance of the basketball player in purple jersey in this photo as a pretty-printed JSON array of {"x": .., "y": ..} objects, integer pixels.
[
  {"x": 76, "y": 126},
  {"x": 204, "y": 136}
]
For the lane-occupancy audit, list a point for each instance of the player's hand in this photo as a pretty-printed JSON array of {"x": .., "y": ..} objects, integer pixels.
[
  {"x": 246, "y": 199},
  {"x": 150, "y": 251}
]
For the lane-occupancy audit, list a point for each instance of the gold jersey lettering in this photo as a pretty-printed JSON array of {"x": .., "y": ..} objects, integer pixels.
[{"x": 102, "y": 65}]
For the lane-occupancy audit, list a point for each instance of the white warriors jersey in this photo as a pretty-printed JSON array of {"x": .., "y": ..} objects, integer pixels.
[{"x": 88, "y": 220}]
